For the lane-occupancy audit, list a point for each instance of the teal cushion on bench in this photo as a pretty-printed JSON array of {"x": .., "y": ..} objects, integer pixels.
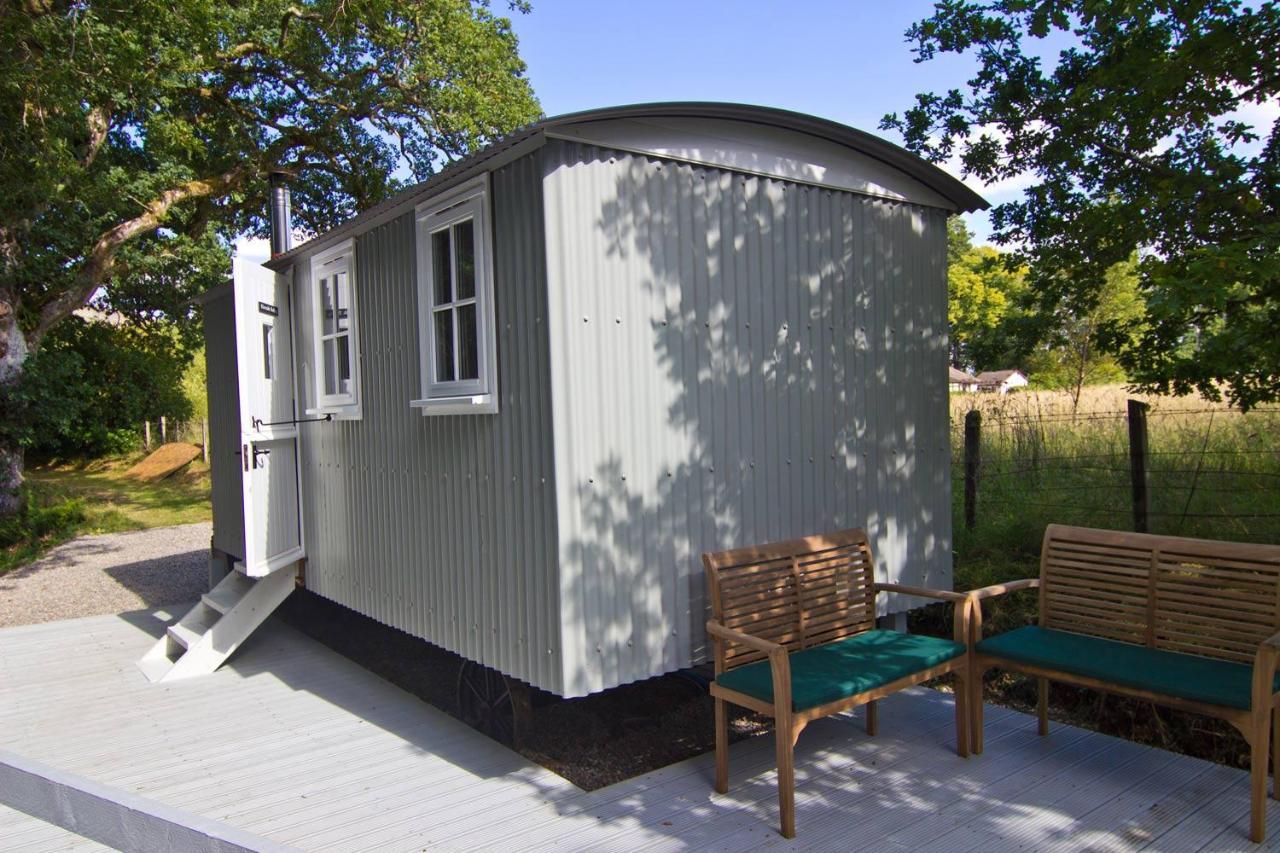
[
  {"x": 844, "y": 668},
  {"x": 1200, "y": 679}
]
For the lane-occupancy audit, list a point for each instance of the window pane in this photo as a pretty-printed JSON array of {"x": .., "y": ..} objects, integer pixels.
[
  {"x": 464, "y": 244},
  {"x": 326, "y": 305},
  {"x": 344, "y": 364},
  {"x": 468, "y": 349},
  {"x": 268, "y": 351},
  {"x": 440, "y": 275},
  {"x": 329, "y": 367},
  {"x": 444, "y": 346},
  {"x": 342, "y": 299}
]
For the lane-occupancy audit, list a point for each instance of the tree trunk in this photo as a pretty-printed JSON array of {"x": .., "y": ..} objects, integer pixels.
[{"x": 13, "y": 357}]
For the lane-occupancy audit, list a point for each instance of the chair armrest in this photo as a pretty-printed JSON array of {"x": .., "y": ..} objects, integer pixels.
[
  {"x": 959, "y": 617},
  {"x": 922, "y": 592},
  {"x": 720, "y": 632},
  {"x": 1001, "y": 588}
]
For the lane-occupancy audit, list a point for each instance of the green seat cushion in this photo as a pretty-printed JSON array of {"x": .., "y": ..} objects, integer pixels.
[
  {"x": 1200, "y": 679},
  {"x": 844, "y": 668}
]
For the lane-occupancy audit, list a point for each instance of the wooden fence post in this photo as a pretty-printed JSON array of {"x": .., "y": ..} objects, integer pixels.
[
  {"x": 972, "y": 457},
  {"x": 1138, "y": 464},
  {"x": 164, "y": 432},
  {"x": 204, "y": 440},
  {"x": 146, "y": 435}
]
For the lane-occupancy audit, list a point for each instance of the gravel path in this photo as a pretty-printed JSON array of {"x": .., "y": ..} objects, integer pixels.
[{"x": 111, "y": 573}]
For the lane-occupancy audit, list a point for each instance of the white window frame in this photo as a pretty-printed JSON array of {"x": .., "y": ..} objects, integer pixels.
[
  {"x": 460, "y": 396},
  {"x": 339, "y": 258}
]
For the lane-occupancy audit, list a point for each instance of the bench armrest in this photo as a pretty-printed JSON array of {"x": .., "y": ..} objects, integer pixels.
[
  {"x": 720, "y": 632},
  {"x": 921, "y": 591},
  {"x": 1002, "y": 588},
  {"x": 779, "y": 663},
  {"x": 959, "y": 617},
  {"x": 977, "y": 596},
  {"x": 1264, "y": 673}
]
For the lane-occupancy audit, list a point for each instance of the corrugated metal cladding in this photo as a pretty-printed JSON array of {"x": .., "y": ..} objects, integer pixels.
[
  {"x": 442, "y": 526},
  {"x": 222, "y": 386},
  {"x": 734, "y": 360}
]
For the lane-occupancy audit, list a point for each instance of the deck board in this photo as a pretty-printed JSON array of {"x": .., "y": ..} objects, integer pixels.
[{"x": 297, "y": 744}]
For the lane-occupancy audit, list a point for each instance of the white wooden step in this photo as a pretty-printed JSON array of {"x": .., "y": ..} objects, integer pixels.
[
  {"x": 187, "y": 631},
  {"x": 223, "y": 618},
  {"x": 228, "y": 593}
]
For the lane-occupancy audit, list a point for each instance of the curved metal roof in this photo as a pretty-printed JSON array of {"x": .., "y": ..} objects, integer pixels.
[{"x": 865, "y": 143}]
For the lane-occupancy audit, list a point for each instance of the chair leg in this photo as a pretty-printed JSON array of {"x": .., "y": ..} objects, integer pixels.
[
  {"x": 873, "y": 722},
  {"x": 1042, "y": 704},
  {"x": 1275, "y": 754},
  {"x": 786, "y": 733},
  {"x": 722, "y": 747},
  {"x": 1259, "y": 756},
  {"x": 975, "y": 718},
  {"x": 963, "y": 713}
]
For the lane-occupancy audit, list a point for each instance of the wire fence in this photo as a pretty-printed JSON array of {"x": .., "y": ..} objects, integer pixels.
[{"x": 1194, "y": 470}]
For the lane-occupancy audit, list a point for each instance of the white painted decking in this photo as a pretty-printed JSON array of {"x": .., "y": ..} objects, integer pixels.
[{"x": 298, "y": 745}]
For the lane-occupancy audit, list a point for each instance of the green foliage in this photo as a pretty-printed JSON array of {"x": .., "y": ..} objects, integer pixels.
[
  {"x": 41, "y": 522},
  {"x": 90, "y": 387},
  {"x": 984, "y": 305},
  {"x": 138, "y": 136},
  {"x": 194, "y": 386},
  {"x": 1071, "y": 357},
  {"x": 1136, "y": 140}
]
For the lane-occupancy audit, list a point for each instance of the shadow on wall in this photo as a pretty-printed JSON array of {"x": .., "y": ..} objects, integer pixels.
[{"x": 749, "y": 360}]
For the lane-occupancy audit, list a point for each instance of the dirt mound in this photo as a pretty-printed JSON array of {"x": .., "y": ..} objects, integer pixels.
[{"x": 163, "y": 461}]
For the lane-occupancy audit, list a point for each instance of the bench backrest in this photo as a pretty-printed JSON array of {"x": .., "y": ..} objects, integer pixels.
[
  {"x": 799, "y": 594},
  {"x": 1197, "y": 596}
]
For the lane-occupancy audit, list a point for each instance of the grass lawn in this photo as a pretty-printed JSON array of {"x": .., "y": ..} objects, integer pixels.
[{"x": 69, "y": 500}]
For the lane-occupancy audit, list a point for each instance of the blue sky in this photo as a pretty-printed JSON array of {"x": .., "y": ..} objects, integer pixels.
[{"x": 846, "y": 61}]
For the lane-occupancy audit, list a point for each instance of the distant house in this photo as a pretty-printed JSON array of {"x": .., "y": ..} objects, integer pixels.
[
  {"x": 961, "y": 381},
  {"x": 1001, "y": 381}
]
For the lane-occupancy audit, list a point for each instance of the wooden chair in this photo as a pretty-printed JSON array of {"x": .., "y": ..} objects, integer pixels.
[
  {"x": 1192, "y": 624},
  {"x": 794, "y": 635}
]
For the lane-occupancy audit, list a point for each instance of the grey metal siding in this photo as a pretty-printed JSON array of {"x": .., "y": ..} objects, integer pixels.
[
  {"x": 442, "y": 526},
  {"x": 222, "y": 386},
  {"x": 734, "y": 360}
]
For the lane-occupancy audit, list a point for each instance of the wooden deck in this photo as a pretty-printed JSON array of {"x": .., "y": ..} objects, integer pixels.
[{"x": 298, "y": 745}]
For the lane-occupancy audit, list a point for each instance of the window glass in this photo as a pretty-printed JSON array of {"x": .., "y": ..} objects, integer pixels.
[
  {"x": 444, "y": 345},
  {"x": 268, "y": 351},
  {"x": 464, "y": 245},
  {"x": 326, "y": 305},
  {"x": 441, "y": 270},
  {"x": 342, "y": 302},
  {"x": 330, "y": 351},
  {"x": 344, "y": 364},
  {"x": 468, "y": 349}
]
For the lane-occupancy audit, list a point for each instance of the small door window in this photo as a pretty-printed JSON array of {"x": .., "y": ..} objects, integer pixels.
[{"x": 268, "y": 351}]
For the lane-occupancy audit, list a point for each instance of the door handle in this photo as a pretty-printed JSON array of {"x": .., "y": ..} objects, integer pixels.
[{"x": 257, "y": 452}]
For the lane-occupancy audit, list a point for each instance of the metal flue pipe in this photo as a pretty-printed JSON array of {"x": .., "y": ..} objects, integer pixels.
[{"x": 281, "y": 215}]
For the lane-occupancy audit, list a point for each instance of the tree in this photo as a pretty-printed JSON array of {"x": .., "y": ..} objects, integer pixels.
[
  {"x": 92, "y": 383},
  {"x": 1071, "y": 357},
  {"x": 136, "y": 136},
  {"x": 983, "y": 305},
  {"x": 1136, "y": 141}
]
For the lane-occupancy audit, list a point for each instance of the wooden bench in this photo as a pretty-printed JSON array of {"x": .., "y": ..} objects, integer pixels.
[
  {"x": 1187, "y": 623},
  {"x": 794, "y": 637}
]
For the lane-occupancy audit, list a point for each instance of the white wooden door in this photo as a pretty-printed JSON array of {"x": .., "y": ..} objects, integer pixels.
[{"x": 268, "y": 433}]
